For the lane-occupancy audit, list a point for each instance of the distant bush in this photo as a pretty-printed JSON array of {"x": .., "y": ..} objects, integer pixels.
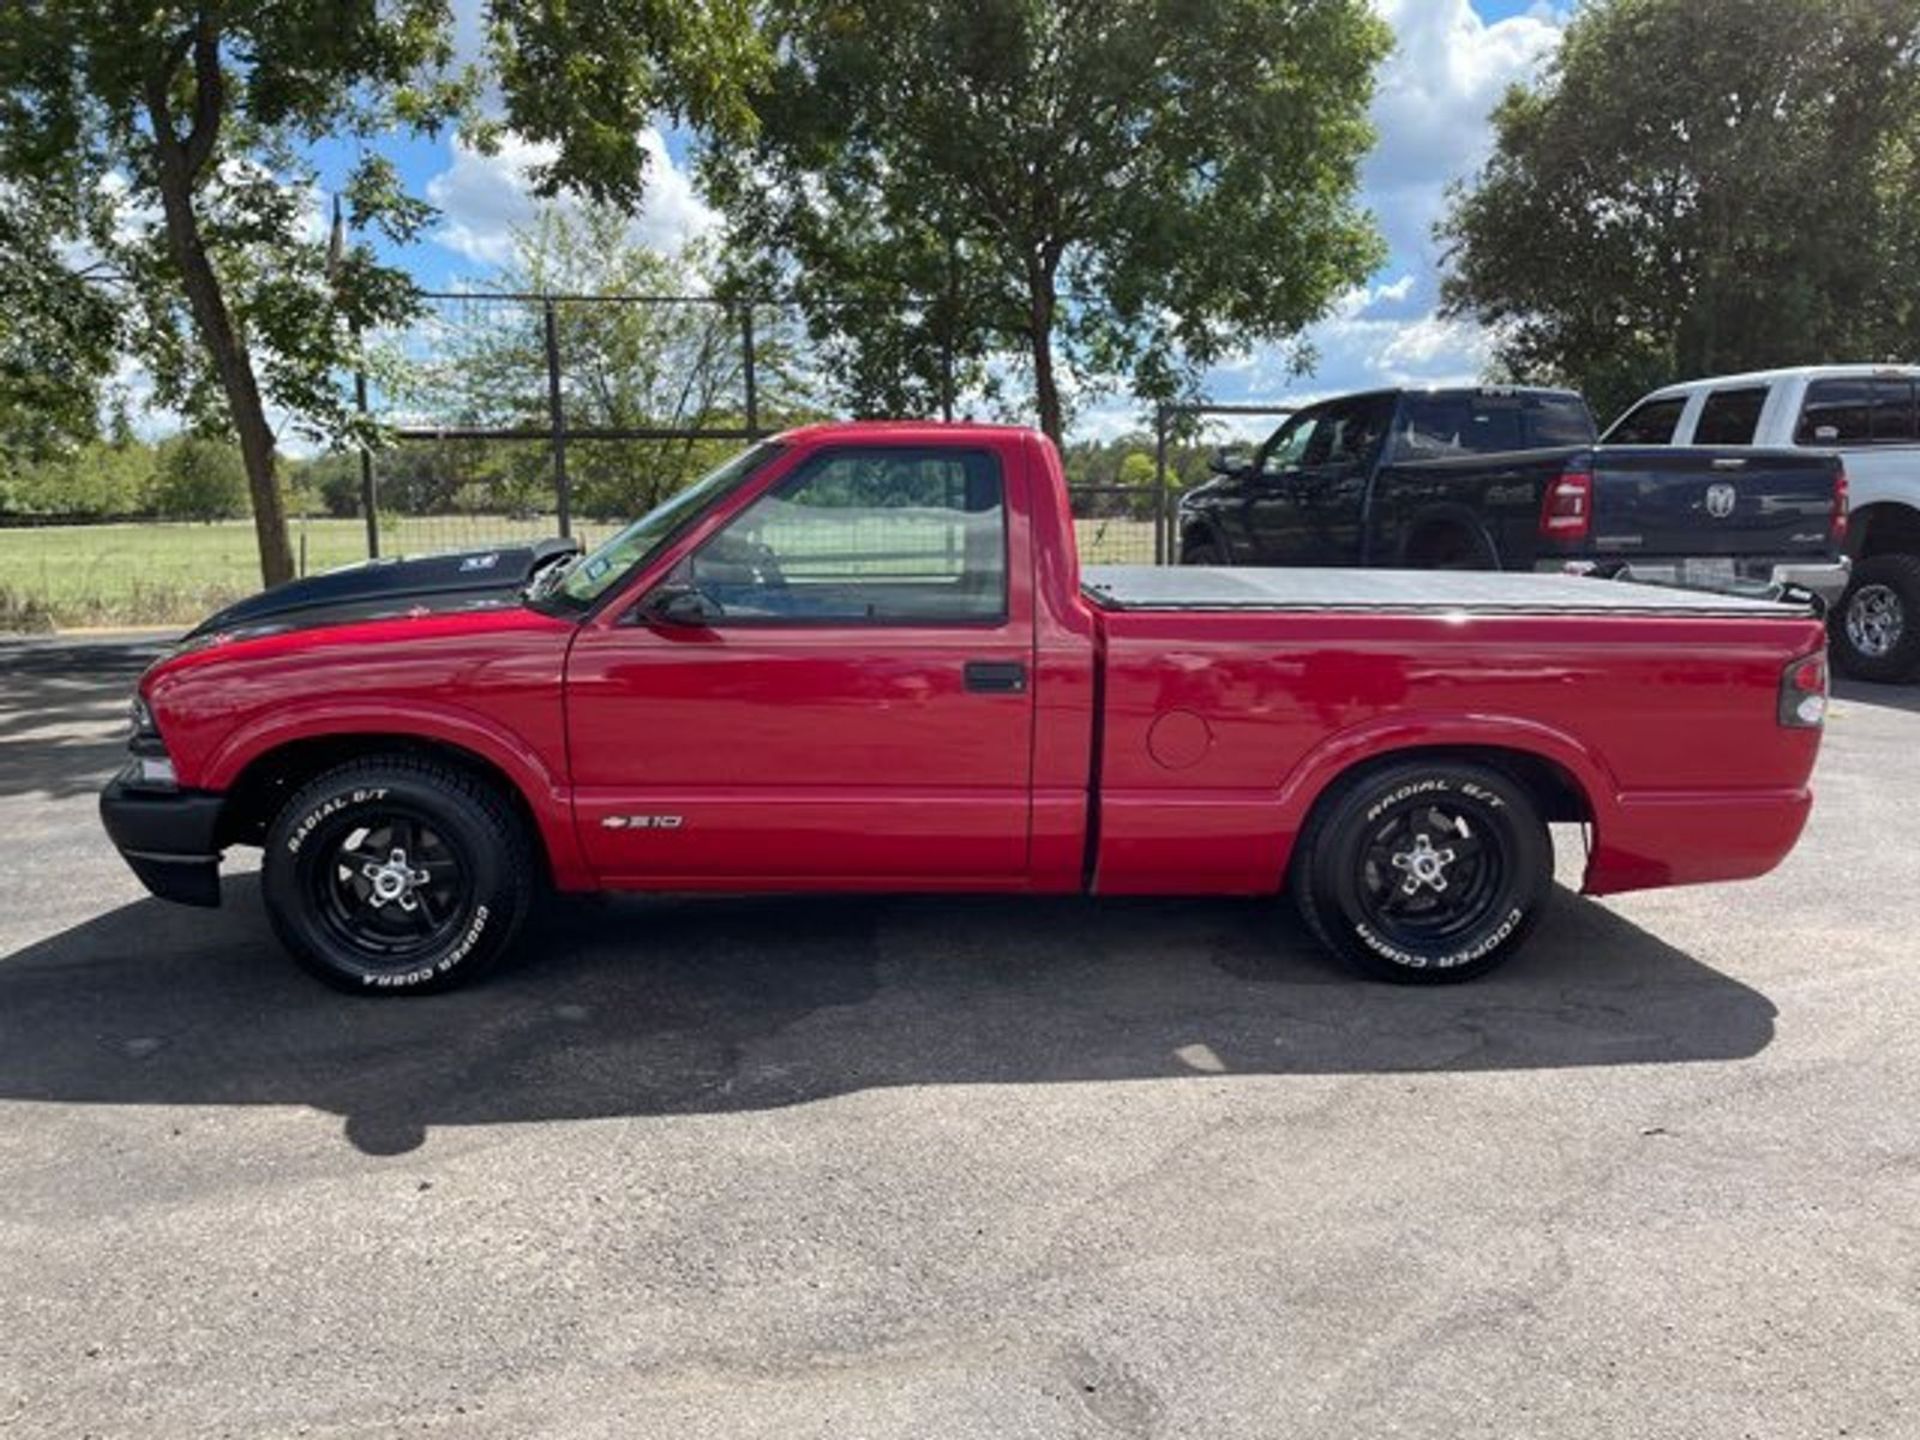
[
  {"x": 98, "y": 479},
  {"x": 199, "y": 479},
  {"x": 327, "y": 484}
]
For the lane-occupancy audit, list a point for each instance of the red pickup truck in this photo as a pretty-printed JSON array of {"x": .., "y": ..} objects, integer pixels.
[{"x": 865, "y": 657}]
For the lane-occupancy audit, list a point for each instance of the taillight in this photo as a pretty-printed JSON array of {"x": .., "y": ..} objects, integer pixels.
[
  {"x": 1803, "y": 692},
  {"x": 1837, "y": 521},
  {"x": 1567, "y": 511}
]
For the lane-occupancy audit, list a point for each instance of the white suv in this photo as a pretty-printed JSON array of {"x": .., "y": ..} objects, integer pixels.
[{"x": 1870, "y": 414}]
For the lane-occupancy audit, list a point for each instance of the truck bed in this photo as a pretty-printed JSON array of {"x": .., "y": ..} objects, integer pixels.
[{"x": 1149, "y": 588}]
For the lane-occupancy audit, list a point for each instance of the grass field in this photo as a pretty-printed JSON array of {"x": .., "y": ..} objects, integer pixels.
[{"x": 161, "y": 574}]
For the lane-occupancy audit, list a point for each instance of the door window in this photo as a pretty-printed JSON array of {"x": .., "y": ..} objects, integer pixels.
[
  {"x": 1837, "y": 412},
  {"x": 1288, "y": 449},
  {"x": 1651, "y": 423},
  {"x": 1893, "y": 418},
  {"x": 910, "y": 537},
  {"x": 1730, "y": 417},
  {"x": 1349, "y": 433}
]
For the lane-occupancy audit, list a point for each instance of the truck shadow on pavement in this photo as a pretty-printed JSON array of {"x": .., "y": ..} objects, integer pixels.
[
  {"x": 63, "y": 712},
  {"x": 1887, "y": 697},
  {"x": 676, "y": 1006}
]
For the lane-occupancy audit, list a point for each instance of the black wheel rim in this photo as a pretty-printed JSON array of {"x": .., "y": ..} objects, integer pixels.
[
  {"x": 391, "y": 886},
  {"x": 1432, "y": 872}
]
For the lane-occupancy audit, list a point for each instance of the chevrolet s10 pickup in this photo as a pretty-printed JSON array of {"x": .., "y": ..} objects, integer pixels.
[{"x": 865, "y": 657}]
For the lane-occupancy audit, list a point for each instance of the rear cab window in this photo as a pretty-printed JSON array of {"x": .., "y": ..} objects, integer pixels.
[
  {"x": 1877, "y": 411},
  {"x": 1651, "y": 422},
  {"x": 1446, "y": 424}
]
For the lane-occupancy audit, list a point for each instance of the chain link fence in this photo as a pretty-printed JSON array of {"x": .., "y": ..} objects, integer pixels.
[
  {"x": 518, "y": 415},
  {"x": 514, "y": 416}
]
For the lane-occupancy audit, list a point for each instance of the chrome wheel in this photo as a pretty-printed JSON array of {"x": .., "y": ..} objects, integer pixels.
[{"x": 1875, "y": 620}]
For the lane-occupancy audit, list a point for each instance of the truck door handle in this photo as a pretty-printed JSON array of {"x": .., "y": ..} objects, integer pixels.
[{"x": 996, "y": 677}]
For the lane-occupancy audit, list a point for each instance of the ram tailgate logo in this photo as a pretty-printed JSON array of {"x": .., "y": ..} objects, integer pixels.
[{"x": 1721, "y": 500}]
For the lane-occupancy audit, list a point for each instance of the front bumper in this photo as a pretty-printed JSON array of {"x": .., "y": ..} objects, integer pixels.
[{"x": 167, "y": 838}]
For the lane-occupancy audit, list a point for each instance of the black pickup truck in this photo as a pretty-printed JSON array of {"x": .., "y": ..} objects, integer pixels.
[{"x": 1510, "y": 478}]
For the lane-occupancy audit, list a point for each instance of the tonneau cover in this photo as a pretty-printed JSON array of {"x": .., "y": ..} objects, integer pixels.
[{"x": 1147, "y": 587}]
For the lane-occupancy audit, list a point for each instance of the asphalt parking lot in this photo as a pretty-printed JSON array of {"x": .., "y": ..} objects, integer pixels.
[{"x": 796, "y": 1168}]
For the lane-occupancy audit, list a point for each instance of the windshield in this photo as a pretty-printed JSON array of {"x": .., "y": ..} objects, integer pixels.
[{"x": 585, "y": 582}]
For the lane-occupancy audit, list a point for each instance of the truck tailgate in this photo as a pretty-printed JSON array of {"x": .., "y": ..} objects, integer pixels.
[{"x": 1681, "y": 502}]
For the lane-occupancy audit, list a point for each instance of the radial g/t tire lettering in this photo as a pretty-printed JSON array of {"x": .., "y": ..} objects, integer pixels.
[
  {"x": 397, "y": 875},
  {"x": 1424, "y": 872}
]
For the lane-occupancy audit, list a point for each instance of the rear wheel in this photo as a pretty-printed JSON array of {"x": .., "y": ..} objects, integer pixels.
[
  {"x": 397, "y": 875},
  {"x": 1875, "y": 629},
  {"x": 1424, "y": 872},
  {"x": 1449, "y": 548},
  {"x": 1205, "y": 551}
]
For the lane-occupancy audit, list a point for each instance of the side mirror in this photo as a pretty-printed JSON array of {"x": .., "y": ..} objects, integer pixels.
[
  {"x": 681, "y": 605},
  {"x": 1230, "y": 463}
]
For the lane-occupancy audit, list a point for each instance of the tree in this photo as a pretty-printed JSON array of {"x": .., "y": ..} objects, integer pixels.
[
  {"x": 56, "y": 330},
  {"x": 175, "y": 139},
  {"x": 196, "y": 478},
  {"x": 1696, "y": 187},
  {"x": 1105, "y": 189}
]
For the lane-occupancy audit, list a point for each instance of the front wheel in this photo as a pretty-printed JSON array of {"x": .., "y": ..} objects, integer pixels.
[
  {"x": 1875, "y": 630},
  {"x": 1424, "y": 872},
  {"x": 397, "y": 875}
]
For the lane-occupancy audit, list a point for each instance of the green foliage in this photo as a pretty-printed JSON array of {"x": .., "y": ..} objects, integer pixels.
[
  {"x": 163, "y": 152},
  {"x": 57, "y": 329},
  {"x": 1126, "y": 188},
  {"x": 588, "y": 76},
  {"x": 199, "y": 479},
  {"x": 1697, "y": 187},
  {"x": 95, "y": 480}
]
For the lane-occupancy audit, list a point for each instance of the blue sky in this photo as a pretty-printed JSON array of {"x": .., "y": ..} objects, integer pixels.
[{"x": 1453, "y": 60}]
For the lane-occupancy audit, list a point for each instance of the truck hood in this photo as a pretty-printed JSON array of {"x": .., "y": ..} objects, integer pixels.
[{"x": 389, "y": 588}]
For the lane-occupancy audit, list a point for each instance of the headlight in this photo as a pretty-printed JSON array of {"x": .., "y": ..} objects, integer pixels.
[{"x": 150, "y": 766}]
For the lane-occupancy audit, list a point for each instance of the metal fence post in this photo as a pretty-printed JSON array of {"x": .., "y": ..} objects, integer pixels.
[
  {"x": 1160, "y": 484},
  {"x": 747, "y": 374},
  {"x": 369, "y": 492},
  {"x": 557, "y": 418},
  {"x": 946, "y": 374}
]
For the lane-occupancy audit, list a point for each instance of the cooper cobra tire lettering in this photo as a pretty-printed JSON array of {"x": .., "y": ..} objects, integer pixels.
[
  {"x": 468, "y": 822},
  {"x": 1441, "y": 962},
  {"x": 1369, "y": 822}
]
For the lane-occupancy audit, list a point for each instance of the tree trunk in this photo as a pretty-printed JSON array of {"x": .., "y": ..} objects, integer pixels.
[
  {"x": 179, "y": 163},
  {"x": 1046, "y": 388},
  {"x": 235, "y": 369}
]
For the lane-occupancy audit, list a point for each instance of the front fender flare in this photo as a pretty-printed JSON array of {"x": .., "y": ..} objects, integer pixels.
[{"x": 546, "y": 794}]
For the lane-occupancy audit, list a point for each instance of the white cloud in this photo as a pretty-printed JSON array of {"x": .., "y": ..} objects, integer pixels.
[
  {"x": 484, "y": 198},
  {"x": 1448, "y": 71}
]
